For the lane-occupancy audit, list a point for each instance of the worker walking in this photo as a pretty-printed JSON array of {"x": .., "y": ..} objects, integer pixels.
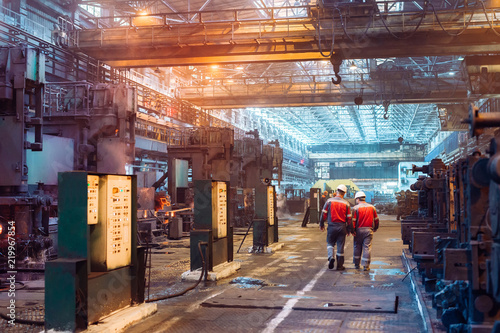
[
  {"x": 337, "y": 212},
  {"x": 323, "y": 199},
  {"x": 365, "y": 222}
]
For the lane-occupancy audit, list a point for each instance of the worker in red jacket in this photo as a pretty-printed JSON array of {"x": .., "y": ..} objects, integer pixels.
[
  {"x": 365, "y": 222},
  {"x": 337, "y": 212}
]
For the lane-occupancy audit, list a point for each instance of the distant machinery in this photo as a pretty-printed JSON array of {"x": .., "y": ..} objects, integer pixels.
[
  {"x": 252, "y": 162},
  {"x": 208, "y": 152}
]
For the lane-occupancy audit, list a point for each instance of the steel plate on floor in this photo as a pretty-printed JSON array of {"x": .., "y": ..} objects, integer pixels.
[{"x": 355, "y": 301}]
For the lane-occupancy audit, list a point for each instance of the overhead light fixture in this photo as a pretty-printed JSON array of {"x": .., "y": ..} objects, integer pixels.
[
  {"x": 353, "y": 66},
  {"x": 143, "y": 12},
  {"x": 214, "y": 66},
  {"x": 451, "y": 73},
  {"x": 240, "y": 67},
  {"x": 229, "y": 80}
]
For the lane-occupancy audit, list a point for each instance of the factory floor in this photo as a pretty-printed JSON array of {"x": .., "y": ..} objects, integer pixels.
[{"x": 290, "y": 290}]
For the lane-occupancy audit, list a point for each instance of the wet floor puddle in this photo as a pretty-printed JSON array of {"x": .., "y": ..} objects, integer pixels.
[
  {"x": 298, "y": 297},
  {"x": 247, "y": 282},
  {"x": 385, "y": 272}
]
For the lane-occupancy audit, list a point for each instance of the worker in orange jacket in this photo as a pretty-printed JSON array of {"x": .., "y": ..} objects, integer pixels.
[
  {"x": 365, "y": 222},
  {"x": 337, "y": 212}
]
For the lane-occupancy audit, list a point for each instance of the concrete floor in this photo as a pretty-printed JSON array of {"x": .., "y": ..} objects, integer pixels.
[{"x": 291, "y": 290}]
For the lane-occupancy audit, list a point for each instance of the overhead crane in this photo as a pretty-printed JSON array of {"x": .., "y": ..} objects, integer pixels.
[{"x": 243, "y": 35}]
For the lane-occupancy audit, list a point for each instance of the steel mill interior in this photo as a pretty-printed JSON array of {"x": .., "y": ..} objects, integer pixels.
[{"x": 250, "y": 166}]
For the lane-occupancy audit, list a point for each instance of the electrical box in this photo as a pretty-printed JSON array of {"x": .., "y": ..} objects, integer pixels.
[
  {"x": 92, "y": 198},
  {"x": 219, "y": 209},
  {"x": 115, "y": 216},
  {"x": 97, "y": 239},
  {"x": 315, "y": 205},
  {"x": 270, "y": 204},
  {"x": 211, "y": 212},
  {"x": 265, "y": 227}
]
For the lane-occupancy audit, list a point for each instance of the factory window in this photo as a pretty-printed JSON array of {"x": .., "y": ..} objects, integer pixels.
[
  {"x": 372, "y": 164},
  {"x": 94, "y": 10},
  {"x": 350, "y": 164},
  {"x": 322, "y": 170}
]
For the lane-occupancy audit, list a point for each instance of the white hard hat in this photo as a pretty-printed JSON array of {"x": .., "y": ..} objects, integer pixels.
[
  {"x": 342, "y": 187},
  {"x": 360, "y": 194}
]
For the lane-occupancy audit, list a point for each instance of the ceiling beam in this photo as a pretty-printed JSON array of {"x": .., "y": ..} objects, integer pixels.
[
  {"x": 322, "y": 100},
  {"x": 141, "y": 48}
]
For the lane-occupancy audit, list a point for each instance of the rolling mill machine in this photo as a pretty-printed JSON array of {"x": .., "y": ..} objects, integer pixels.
[
  {"x": 26, "y": 200},
  {"x": 456, "y": 238}
]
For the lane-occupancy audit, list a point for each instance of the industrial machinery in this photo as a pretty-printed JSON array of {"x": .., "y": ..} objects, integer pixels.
[
  {"x": 211, "y": 224},
  {"x": 407, "y": 204},
  {"x": 207, "y": 151},
  {"x": 24, "y": 201},
  {"x": 99, "y": 118},
  {"x": 459, "y": 258},
  {"x": 99, "y": 269},
  {"x": 252, "y": 161},
  {"x": 430, "y": 212},
  {"x": 265, "y": 226},
  {"x": 295, "y": 200}
]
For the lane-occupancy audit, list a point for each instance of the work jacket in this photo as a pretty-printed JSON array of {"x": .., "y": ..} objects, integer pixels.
[
  {"x": 365, "y": 215},
  {"x": 336, "y": 210}
]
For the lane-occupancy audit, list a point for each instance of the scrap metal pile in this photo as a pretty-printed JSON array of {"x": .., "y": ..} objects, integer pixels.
[{"x": 455, "y": 237}]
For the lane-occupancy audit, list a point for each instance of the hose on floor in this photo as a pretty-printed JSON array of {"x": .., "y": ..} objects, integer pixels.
[
  {"x": 22, "y": 321},
  {"x": 19, "y": 320},
  {"x": 203, "y": 273}
]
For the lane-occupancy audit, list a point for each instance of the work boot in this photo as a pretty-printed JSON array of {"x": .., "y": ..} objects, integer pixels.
[
  {"x": 331, "y": 262},
  {"x": 340, "y": 263},
  {"x": 366, "y": 268},
  {"x": 356, "y": 264}
]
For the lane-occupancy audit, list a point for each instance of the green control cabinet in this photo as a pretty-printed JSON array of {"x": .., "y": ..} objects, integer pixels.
[
  {"x": 211, "y": 224},
  {"x": 99, "y": 269},
  {"x": 265, "y": 227},
  {"x": 314, "y": 205}
]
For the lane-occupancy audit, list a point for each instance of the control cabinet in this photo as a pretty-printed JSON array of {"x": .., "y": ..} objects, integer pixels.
[
  {"x": 271, "y": 202},
  {"x": 219, "y": 208},
  {"x": 97, "y": 237},
  {"x": 211, "y": 211},
  {"x": 92, "y": 198},
  {"x": 315, "y": 205},
  {"x": 112, "y": 244},
  {"x": 265, "y": 229}
]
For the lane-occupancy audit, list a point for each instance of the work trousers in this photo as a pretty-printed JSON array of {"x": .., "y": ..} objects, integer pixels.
[
  {"x": 336, "y": 233},
  {"x": 363, "y": 243}
]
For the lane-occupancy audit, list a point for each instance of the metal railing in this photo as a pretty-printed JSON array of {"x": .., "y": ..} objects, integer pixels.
[{"x": 17, "y": 20}]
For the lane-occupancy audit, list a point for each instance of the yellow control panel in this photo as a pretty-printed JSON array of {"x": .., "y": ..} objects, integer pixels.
[
  {"x": 116, "y": 212},
  {"x": 219, "y": 208},
  {"x": 92, "y": 199},
  {"x": 270, "y": 204}
]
